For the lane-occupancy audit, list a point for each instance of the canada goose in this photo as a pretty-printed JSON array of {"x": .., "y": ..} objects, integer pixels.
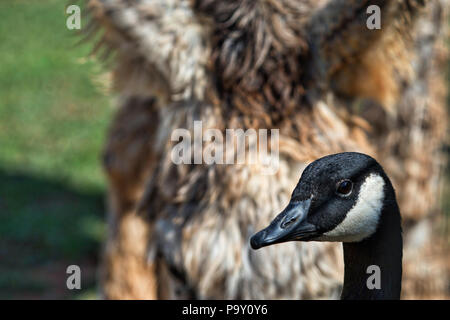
[{"x": 346, "y": 197}]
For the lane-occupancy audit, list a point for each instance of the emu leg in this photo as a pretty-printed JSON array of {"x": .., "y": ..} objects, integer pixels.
[{"x": 125, "y": 272}]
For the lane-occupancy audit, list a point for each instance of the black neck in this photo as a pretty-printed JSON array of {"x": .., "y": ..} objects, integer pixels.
[{"x": 383, "y": 249}]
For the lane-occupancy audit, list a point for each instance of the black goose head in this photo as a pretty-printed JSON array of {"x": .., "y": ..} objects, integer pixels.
[{"x": 338, "y": 198}]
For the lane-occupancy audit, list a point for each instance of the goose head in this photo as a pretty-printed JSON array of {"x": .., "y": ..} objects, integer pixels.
[{"x": 339, "y": 198}]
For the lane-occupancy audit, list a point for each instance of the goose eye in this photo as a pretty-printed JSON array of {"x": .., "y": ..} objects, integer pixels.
[{"x": 344, "y": 187}]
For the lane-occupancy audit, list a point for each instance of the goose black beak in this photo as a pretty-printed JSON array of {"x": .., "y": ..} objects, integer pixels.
[{"x": 289, "y": 225}]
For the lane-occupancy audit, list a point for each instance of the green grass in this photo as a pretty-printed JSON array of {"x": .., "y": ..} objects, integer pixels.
[{"x": 53, "y": 119}]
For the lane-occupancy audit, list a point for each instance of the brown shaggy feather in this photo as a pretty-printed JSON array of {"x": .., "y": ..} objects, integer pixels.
[{"x": 309, "y": 68}]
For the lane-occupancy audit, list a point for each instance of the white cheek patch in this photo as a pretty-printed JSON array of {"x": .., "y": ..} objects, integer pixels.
[{"x": 362, "y": 220}]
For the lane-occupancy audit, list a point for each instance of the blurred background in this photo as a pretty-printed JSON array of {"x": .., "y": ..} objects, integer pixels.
[
  {"x": 54, "y": 114},
  {"x": 55, "y": 107}
]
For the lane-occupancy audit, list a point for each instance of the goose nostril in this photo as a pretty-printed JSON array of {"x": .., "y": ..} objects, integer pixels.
[{"x": 285, "y": 224}]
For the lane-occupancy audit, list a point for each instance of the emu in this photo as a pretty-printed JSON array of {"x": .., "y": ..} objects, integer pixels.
[{"x": 311, "y": 69}]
